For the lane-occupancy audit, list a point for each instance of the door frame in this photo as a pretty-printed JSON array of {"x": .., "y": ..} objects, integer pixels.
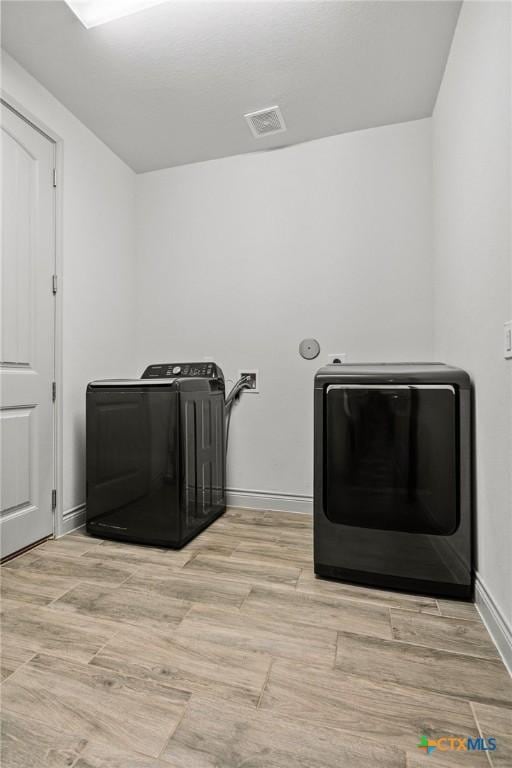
[{"x": 57, "y": 454}]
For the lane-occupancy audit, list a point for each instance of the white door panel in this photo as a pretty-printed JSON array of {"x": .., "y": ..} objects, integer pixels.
[{"x": 27, "y": 334}]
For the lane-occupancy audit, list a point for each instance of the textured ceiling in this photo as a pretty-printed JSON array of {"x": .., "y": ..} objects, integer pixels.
[{"x": 170, "y": 85}]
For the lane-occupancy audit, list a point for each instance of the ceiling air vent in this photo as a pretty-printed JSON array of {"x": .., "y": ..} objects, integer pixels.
[{"x": 266, "y": 122}]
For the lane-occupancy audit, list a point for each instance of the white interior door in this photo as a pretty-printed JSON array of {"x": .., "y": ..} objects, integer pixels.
[{"x": 27, "y": 334}]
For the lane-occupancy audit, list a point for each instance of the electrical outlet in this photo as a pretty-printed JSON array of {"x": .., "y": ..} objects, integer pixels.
[
  {"x": 337, "y": 358},
  {"x": 507, "y": 340},
  {"x": 254, "y": 379}
]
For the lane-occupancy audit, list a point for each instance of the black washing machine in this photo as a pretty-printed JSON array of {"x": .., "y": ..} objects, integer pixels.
[
  {"x": 392, "y": 488},
  {"x": 156, "y": 454}
]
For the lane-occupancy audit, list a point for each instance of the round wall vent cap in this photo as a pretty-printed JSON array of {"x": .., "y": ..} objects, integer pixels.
[{"x": 309, "y": 349}]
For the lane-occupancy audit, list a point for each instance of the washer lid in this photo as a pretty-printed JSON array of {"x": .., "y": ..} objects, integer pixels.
[{"x": 132, "y": 382}]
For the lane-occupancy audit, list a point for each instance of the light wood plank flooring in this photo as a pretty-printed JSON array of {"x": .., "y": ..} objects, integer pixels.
[{"x": 231, "y": 654}]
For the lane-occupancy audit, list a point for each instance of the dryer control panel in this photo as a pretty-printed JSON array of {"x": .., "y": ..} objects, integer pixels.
[{"x": 182, "y": 370}]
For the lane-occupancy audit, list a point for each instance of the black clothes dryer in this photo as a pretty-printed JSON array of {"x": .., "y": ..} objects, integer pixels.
[
  {"x": 392, "y": 488},
  {"x": 156, "y": 454}
]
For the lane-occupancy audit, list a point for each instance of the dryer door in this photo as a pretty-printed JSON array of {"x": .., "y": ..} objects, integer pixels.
[{"x": 391, "y": 457}]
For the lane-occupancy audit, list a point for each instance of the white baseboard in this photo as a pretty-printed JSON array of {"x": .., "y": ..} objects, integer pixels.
[
  {"x": 72, "y": 519},
  {"x": 282, "y": 502},
  {"x": 497, "y": 626}
]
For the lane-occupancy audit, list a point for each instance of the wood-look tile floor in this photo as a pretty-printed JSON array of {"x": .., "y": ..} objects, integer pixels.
[{"x": 231, "y": 654}]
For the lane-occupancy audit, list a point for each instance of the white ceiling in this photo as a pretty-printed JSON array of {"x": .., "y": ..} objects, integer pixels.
[{"x": 170, "y": 85}]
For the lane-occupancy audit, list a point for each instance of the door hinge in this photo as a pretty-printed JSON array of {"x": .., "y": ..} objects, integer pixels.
[
  {"x": 54, "y": 499},
  {"x": 54, "y": 284},
  {"x": 54, "y": 391},
  {"x": 54, "y": 177}
]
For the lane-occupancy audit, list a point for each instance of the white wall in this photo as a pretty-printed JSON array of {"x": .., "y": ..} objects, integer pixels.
[
  {"x": 472, "y": 136},
  {"x": 241, "y": 258},
  {"x": 97, "y": 279}
]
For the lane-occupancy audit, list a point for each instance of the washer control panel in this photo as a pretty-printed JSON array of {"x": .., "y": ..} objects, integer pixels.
[{"x": 181, "y": 370}]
